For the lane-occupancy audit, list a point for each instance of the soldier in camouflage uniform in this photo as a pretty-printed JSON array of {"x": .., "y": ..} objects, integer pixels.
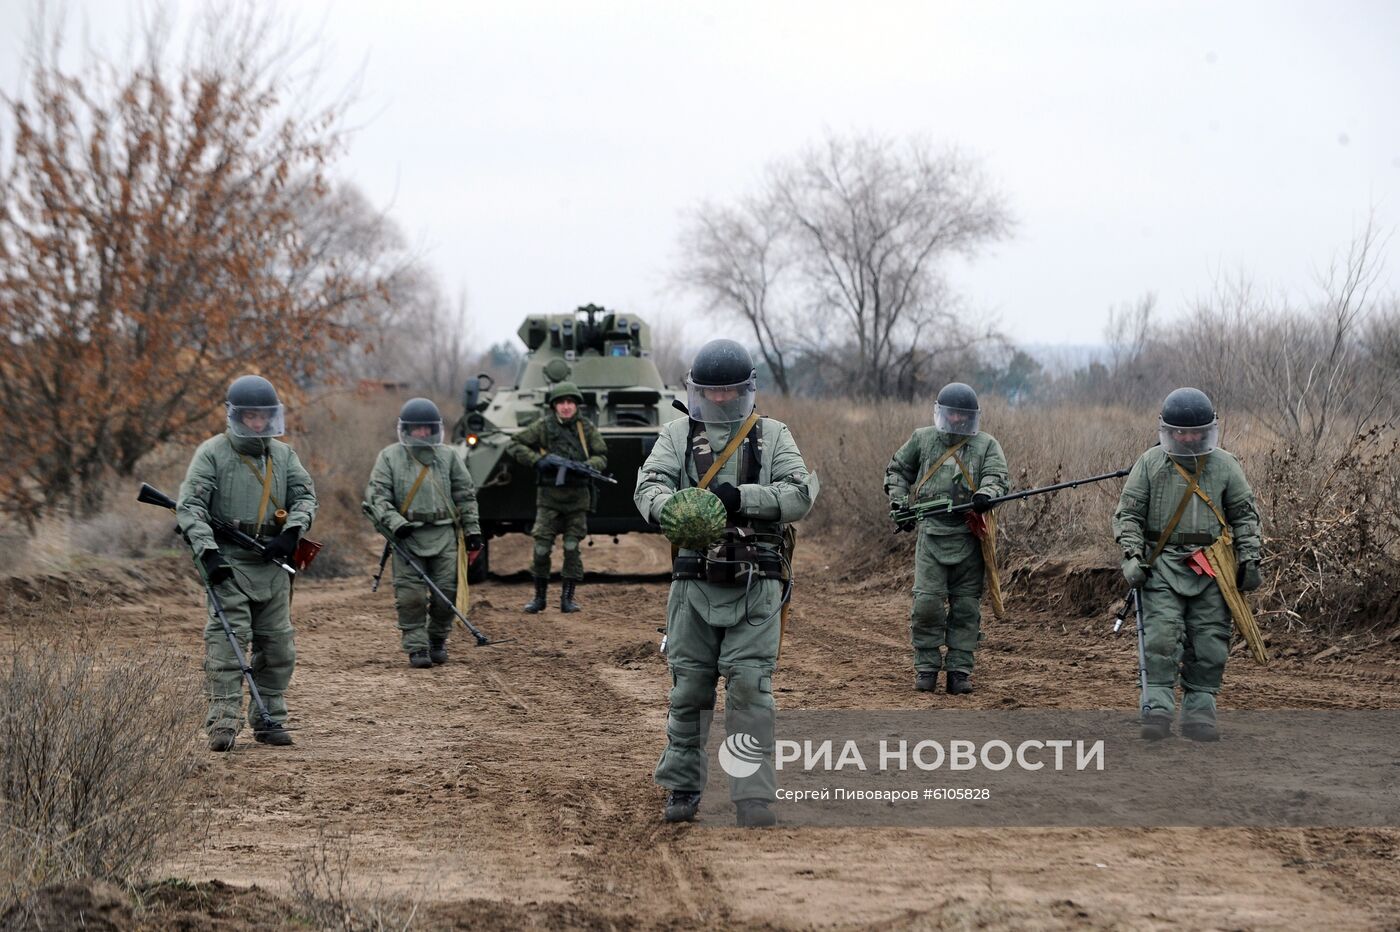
[
  {"x": 951, "y": 459},
  {"x": 723, "y": 614},
  {"x": 421, "y": 491},
  {"x": 560, "y": 509},
  {"x": 245, "y": 477},
  {"x": 1189, "y": 482}
]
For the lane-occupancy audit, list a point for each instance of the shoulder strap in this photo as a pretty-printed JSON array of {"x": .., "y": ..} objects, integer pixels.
[
  {"x": 727, "y": 452},
  {"x": 583, "y": 442},
  {"x": 266, "y": 479},
  {"x": 1202, "y": 493},
  {"x": 937, "y": 466},
  {"x": 1191, "y": 489},
  {"x": 417, "y": 483}
]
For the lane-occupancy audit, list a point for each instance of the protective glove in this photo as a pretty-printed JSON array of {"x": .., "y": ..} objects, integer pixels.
[
  {"x": 981, "y": 503},
  {"x": 404, "y": 530},
  {"x": 729, "y": 495},
  {"x": 475, "y": 542},
  {"x": 284, "y": 545},
  {"x": 903, "y": 526},
  {"x": 543, "y": 468},
  {"x": 216, "y": 568},
  {"x": 1247, "y": 576},
  {"x": 1134, "y": 571}
]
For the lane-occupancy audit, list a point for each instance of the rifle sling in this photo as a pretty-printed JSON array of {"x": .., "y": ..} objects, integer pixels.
[
  {"x": 417, "y": 483},
  {"x": 913, "y": 496},
  {"x": 727, "y": 452}
]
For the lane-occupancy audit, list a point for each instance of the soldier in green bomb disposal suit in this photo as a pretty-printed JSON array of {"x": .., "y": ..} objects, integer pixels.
[
  {"x": 246, "y": 477},
  {"x": 726, "y": 599},
  {"x": 560, "y": 509},
  {"x": 421, "y": 491},
  {"x": 956, "y": 460},
  {"x": 1183, "y": 499}
]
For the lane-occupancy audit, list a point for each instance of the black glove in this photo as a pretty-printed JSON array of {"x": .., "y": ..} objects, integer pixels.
[
  {"x": 475, "y": 542},
  {"x": 729, "y": 495},
  {"x": 1247, "y": 576},
  {"x": 543, "y": 468},
  {"x": 405, "y": 529},
  {"x": 284, "y": 545},
  {"x": 981, "y": 503},
  {"x": 216, "y": 568},
  {"x": 903, "y": 526}
]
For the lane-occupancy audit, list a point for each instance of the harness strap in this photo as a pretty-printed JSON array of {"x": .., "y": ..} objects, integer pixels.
[
  {"x": 422, "y": 474},
  {"x": 939, "y": 465},
  {"x": 728, "y": 451},
  {"x": 1191, "y": 489}
]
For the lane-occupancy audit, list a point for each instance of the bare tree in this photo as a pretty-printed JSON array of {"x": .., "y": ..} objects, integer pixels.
[
  {"x": 734, "y": 257},
  {"x": 872, "y": 219},
  {"x": 838, "y": 259}
]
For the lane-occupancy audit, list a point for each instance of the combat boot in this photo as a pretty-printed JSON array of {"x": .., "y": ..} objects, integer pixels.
[
  {"x": 272, "y": 733},
  {"x": 1200, "y": 731},
  {"x": 566, "y": 597},
  {"x": 753, "y": 813},
  {"x": 681, "y": 806},
  {"x": 926, "y": 681},
  {"x": 536, "y": 605},
  {"x": 1156, "y": 726},
  {"x": 437, "y": 650},
  {"x": 222, "y": 738},
  {"x": 959, "y": 683},
  {"x": 419, "y": 660}
]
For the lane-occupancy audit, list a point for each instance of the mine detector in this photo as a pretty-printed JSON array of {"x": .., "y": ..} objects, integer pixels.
[{"x": 608, "y": 355}]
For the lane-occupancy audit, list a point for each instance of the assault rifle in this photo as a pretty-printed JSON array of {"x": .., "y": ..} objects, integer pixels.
[
  {"x": 565, "y": 466},
  {"x": 902, "y": 514},
  {"x": 150, "y": 495},
  {"x": 412, "y": 563}
]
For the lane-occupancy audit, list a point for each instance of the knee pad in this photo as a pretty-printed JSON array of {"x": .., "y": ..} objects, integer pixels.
[
  {"x": 929, "y": 608},
  {"x": 967, "y": 607},
  {"x": 749, "y": 688},
  {"x": 692, "y": 690},
  {"x": 543, "y": 546},
  {"x": 571, "y": 544}
]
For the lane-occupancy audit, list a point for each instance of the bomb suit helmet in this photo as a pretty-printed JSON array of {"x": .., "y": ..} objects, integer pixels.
[
  {"x": 252, "y": 408},
  {"x": 1188, "y": 424},
  {"x": 420, "y": 423},
  {"x": 721, "y": 384},
  {"x": 956, "y": 410}
]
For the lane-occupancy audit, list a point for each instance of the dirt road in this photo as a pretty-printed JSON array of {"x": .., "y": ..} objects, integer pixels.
[{"x": 513, "y": 785}]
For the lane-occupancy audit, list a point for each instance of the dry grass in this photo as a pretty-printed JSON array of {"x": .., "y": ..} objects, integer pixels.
[
  {"x": 96, "y": 748},
  {"x": 328, "y": 897},
  {"x": 1331, "y": 515}
]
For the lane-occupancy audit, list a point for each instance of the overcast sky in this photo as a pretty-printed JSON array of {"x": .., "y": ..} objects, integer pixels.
[{"x": 545, "y": 153}]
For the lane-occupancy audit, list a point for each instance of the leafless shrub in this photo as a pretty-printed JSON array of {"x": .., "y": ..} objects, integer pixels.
[
  {"x": 327, "y": 895},
  {"x": 96, "y": 746},
  {"x": 1333, "y": 536}
]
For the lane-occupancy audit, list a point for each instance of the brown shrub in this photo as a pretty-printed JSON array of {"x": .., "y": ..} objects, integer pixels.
[{"x": 96, "y": 746}]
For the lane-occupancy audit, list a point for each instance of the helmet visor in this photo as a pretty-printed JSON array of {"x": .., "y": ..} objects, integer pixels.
[
  {"x": 256, "y": 421},
  {"x": 721, "y": 404},
  {"x": 420, "y": 433},
  {"x": 960, "y": 421},
  {"x": 1188, "y": 441}
]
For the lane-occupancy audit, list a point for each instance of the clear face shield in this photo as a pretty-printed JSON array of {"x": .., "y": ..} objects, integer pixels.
[
  {"x": 960, "y": 421},
  {"x": 250, "y": 421},
  {"x": 420, "y": 433},
  {"x": 1188, "y": 441},
  {"x": 721, "y": 404}
]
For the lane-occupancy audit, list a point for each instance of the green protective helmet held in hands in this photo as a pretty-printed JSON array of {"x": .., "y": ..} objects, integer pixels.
[{"x": 693, "y": 519}]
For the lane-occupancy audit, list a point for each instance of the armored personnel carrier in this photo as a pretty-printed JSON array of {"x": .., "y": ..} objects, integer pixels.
[{"x": 608, "y": 355}]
